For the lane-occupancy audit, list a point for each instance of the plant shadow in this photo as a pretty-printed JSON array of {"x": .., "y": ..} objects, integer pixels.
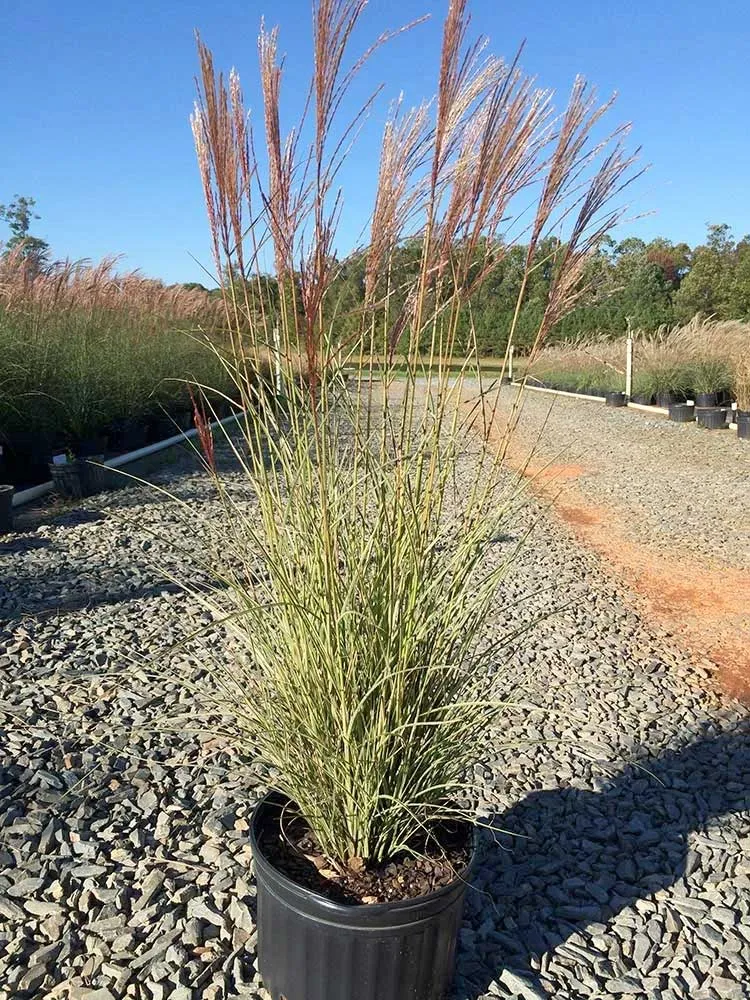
[{"x": 568, "y": 860}]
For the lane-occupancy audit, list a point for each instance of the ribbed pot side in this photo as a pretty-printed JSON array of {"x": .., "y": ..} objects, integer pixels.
[{"x": 310, "y": 948}]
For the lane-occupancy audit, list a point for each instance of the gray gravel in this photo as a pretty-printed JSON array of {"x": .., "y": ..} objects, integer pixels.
[
  {"x": 677, "y": 484},
  {"x": 622, "y": 870}
]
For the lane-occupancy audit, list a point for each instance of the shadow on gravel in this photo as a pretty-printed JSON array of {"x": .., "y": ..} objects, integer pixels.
[
  {"x": 18, "y": 545},
  {"x": 572, "y": 859},
  {"x": 12, "y": 608}
]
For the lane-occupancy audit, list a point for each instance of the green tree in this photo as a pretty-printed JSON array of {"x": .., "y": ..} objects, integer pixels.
[
  {"x": 18, "y": 215},
  {"x": 706, "y": 287},
  {"x": 738, "y": 291}
]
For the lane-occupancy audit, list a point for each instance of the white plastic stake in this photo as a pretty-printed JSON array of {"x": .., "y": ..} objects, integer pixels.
[{"x": 629, "y": 367}]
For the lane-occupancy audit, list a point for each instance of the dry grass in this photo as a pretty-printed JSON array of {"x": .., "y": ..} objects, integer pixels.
[
  {"x": 742, "y": 383},
  {"x": 82, "y": 347},
  {"x": 67, "y": 286},
  {"x": 700, "y": 356}
]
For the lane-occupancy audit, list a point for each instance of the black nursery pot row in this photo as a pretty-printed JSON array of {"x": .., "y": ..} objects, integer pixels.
[
  {"x": 26, "y": 456},
  {"x": 710, "y": 409}
]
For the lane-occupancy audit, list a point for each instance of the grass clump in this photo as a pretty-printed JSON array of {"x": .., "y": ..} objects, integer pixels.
[
  {"x": 741, "y": 383},
  {"x": 588, "y": 365},
  {"x": 700, "y": 356},
  {"x": 356, "y": 570}
]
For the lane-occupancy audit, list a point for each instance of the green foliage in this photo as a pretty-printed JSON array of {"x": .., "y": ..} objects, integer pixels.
[
  {"x": 718, "y": 282},
  {"x": 18, "y": 215},
  {"x": 628, "y": 285},
  {"x": 72, "y": 375}
]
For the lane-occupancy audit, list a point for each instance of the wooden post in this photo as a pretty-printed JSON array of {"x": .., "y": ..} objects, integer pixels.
[
  {"x": 510, "y": 362},
  {"x": 629, "y": 367}
]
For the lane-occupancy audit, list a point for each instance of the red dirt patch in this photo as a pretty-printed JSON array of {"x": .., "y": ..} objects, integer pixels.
[
  {"x": 578, "y": 515},
  {"x": 706, "y": 607},
  {"x": 558, "y": 472}
]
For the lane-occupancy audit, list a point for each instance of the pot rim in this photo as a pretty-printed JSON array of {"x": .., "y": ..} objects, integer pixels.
[{"x": 342, "y": 909}]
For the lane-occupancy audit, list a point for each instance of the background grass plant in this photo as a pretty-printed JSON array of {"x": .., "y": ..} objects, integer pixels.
[
  {"x": 82, "y": 347},
  {"x": 701, "y": 356}
]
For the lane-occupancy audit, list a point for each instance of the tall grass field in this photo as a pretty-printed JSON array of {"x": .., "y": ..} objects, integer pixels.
[{"x": 84, "y": 350}]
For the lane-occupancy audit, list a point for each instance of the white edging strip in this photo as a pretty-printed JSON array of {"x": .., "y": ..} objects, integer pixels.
[
  {"x": 648, "y": 409},
  {"x": 34, "y": 492},
  {"x": 560, "y": 392},
  {"x": 600, "y": 399}
]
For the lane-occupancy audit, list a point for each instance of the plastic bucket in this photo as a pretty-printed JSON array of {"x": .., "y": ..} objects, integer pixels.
[
  {"x": 712, "y": 418},
  {"x": 6, "y": 508},
  {"x": 616, "y": 399},
  {"x": 682, "y": 413},
  {"x": 310, "y": 948}
]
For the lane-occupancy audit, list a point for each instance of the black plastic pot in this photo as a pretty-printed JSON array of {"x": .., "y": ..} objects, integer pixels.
[
  {"x": 6, "y": 508},
  {"x": 79, "y": 478},
  {"x": 667, "y": 399},
  {"x": 184, "y": 420},
  {"x": 90, "y": 446},
  {"x": 616, "y": 399},
  {"x": 712, "y": 418},
  {"x": 682, "y": 413},
  {"x": 642, "y": 399},
  {"x": 310, "y": 948},
  {"x": 69, "y": 479},
  {"x": 743, "y": 424},
  {"x": 707, "y": 399}
]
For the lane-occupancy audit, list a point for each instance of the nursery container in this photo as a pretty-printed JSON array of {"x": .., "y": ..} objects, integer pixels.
[
  {"x": 616, "y": 399},
  {"x": 78, "y": 478},
  {"x": 6, "y": 508},
  {"x": 682, "y": 413},
  {"x": 310, "y": 948},
  {"x": 90, "y": 447},
  {"x": 642, "y": 399},
  {"x": 706, "y": 399},
  {"x": 159, "y": 428},
  {"x": 712, "y": 418},
  {"x": 743, "y": 424},
  {"x": 666, "y": 399}
]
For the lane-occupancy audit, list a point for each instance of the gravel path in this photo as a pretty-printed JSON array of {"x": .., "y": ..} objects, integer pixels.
[
  {"x": 677, "y": 485},
  {"x": 124, "y": 864}
]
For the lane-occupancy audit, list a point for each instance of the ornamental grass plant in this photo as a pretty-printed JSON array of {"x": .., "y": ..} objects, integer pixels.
[
  {"x": 699, "y": 356},
  {"x": 355, "y": 576},
  {"x": 741, "y": 383},
  {"x": 82, "y": 346}
]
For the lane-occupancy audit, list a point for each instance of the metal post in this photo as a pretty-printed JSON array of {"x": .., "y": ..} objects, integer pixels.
[{"x": 629, "y": 367}]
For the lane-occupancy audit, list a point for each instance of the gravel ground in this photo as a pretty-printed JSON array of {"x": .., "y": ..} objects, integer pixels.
[
  {"x": 677, "y": 484},
  {"x": 124, "y": 865}
]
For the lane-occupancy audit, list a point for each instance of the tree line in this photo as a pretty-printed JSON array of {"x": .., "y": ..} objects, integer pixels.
[{"x": 631, "y": 284}]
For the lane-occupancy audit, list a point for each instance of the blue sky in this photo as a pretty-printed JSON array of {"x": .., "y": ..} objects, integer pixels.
[{"x": 96, "y": 98}]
